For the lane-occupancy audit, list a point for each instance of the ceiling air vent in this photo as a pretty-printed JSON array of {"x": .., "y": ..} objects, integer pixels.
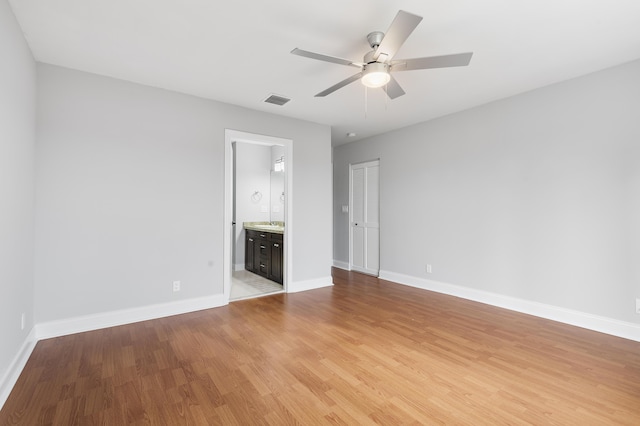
[{"x": 277, "y": 100}]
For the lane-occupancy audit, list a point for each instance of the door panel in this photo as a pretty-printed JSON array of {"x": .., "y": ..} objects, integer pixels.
[
  {"x": 364, "y": 220},
  {"x": 373, "y": 244},
  {"x": 358, "y": 191},
  {"x": 358, "y": 252},
  {"x": 372, "y": 195}
]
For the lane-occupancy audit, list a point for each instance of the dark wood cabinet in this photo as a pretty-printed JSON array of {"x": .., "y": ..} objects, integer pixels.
[
  {"x": 249, "y": 252},
  {"x": 264, "y": 254},
  {"x": 276, "y": 261}
]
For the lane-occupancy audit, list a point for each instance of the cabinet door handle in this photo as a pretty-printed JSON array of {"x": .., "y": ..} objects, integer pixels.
[
  {"x": 262, "y": 235},
  {"x": 250, "y": 239},
  {"x": 276, "y": 245},
  {"x": 262, "y": 247}
]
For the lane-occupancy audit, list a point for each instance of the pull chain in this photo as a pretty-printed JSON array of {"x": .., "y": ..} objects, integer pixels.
[{"x": 366, "y": 91}]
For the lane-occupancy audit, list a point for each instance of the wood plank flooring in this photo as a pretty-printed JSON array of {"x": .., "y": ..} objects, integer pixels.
[{"x": 365, "y": 351}]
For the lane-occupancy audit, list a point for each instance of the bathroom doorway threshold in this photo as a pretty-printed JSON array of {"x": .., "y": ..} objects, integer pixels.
[{"x": 247, "y": 285}]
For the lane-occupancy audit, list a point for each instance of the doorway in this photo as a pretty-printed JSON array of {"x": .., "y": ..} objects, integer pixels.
[
  {"x": 255, "y": 197},
  {"x": 364, "y": 220}
]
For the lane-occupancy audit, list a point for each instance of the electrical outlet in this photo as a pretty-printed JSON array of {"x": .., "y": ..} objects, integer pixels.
[
  {"x": 176, "y": 286},
  {"x": 428, "y": 269},
  {"x": 638, "y": 306}
]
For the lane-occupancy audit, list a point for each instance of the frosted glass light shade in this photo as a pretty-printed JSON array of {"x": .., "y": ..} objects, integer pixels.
[{"x": 375, "y": 75}]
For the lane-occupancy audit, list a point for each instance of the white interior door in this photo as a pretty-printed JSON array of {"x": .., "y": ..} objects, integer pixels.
[{"x": 364, "y": 217}]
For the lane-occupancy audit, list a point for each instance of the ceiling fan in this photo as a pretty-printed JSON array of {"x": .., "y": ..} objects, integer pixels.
[{"x": 378, "y": 64}]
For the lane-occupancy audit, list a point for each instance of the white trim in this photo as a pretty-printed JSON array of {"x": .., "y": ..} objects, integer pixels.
[
  {"x": 231, "y": 136},
  {"x": 15, "y": 368},
  {"x": 298, "y": 286},
  {"x": 97, "y": 321},
  {"x": 342, "y": 265},
  {"x": 606, "y": 325},
  {"x": 365, "y": 271},
  {"x": 238, "y": 267},
  {"x": 125, "y": 316},
  {"x": 115, "y": 318}
]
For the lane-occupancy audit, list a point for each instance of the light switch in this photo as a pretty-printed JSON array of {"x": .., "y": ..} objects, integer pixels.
[{"x": 345, "y": 209}]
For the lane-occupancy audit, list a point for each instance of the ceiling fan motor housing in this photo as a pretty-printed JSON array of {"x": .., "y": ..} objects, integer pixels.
[
  {"x": 375, "y": 67},
  {"x": 375, "y": 71}
]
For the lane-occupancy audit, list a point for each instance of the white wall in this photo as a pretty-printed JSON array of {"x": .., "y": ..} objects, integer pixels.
[
  {"x": 253, "y": 166},
  {"x": 130, "y": 194},
  {"x": 17, "y": 139},
  {"x": 535, "y": 197}
]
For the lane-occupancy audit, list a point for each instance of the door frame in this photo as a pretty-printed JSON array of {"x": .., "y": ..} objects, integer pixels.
[
  {"x": 231, "y": 136},
  {"x": 351, "y": 168}
]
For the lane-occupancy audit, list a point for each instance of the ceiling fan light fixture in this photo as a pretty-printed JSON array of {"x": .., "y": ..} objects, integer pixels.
[
  {"x": 375, "y": 68},
  {"x": 375, "y": 74}
]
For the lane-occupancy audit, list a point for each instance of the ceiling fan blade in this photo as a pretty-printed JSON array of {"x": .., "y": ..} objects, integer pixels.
[
  {"x": 402, "y": 26},
  {"x": 393, "y": 89},
  {"x": 339, "y": 85},
  {"x": 444, "y": 61},
  {"x": 325, "y": 58}
]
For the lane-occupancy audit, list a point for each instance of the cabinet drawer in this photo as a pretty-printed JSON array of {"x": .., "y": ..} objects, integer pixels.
[{"x": 252, "y": 234}]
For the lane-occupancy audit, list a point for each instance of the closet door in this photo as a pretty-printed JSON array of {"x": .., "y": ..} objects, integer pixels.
[{"x": 364, "y": 217}]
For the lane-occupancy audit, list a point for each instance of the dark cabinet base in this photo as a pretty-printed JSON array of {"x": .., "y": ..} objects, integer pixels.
[{"x": 264, "y": 254}]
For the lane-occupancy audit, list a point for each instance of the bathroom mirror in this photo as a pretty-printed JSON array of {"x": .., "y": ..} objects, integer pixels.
[{"x": 277, "y": 196}]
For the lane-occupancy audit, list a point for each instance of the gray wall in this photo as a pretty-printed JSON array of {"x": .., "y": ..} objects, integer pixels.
[
  {"x": 130, "y": 190},
  {"x": 535, "y": 197},
  {"x": 17, "y": 139}
]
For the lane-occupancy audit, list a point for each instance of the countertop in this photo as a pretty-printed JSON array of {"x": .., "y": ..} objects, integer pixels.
[{"x": 273, "y": 227}]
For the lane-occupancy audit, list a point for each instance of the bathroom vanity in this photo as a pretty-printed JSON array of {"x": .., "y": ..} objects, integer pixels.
[{"x": 264, "y": 252}]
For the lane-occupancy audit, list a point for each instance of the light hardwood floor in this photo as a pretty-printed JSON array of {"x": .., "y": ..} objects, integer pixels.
[{"x": 365, "y": 351}]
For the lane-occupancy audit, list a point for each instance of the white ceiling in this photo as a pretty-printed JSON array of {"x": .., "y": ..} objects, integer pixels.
[{"x": 238, "y": 51}]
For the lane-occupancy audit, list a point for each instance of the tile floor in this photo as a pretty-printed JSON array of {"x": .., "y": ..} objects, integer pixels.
[{"x": 245, "y": 285}]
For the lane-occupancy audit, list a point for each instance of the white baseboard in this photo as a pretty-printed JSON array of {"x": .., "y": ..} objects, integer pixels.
[
  {"x": 125, "y": 316},
  {"x": 17, "y": 365},
  {"x": 238, "y": 267},
  {"x": 342, "y": 265},
  {"x": 605, "y": 325},
  {"x": 298, "y": 286},
  {"x": 94, "y": 322},
  {"x": 114, "y": 318}
]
